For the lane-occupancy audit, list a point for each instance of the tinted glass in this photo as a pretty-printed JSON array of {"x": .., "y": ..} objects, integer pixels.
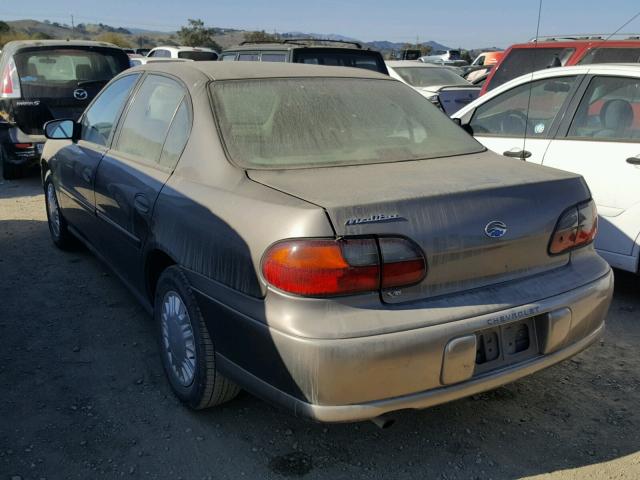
[
  {"x": 429, "y": 76},
  {"x": 611, "y": 55},
  {"x": 177, "y": 137},
  {"x": 229, "y": 57},
  {"x": 288, "y": 123},
  {"x": 248, "y": 57},
  {"x": 531, "y": 107},
  {"x": 527, "y": 60},
  {"x": 68, "y": 66},
  {"x": 274, "y": 57},
  {"x": 99, "y": 119},
  {"x": 160, "y": 53},
  {"x": 146, "y": 124},
  {"x": 609, "y": 110},
  {"x": 198, "y": 56},
  {"x": 342, "y": 58}
]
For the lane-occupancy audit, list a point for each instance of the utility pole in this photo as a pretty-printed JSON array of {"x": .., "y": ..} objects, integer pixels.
[{"x": 73, "y": 27}]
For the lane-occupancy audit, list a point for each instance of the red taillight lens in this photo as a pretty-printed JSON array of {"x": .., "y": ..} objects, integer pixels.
[
  {"x": 23, "y": 146},
  {"x": 326, "y": 267},
  {"x": 577, "y": 227},
  {"x": 10, "y": 87}
]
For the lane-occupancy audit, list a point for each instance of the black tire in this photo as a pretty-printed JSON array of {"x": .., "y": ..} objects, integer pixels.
[
  {"x": 60, "y": 235},
  {"x": 207, "y": 387}
]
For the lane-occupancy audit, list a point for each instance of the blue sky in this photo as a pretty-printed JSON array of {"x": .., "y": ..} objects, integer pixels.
[{"x": 469, "y": 24}]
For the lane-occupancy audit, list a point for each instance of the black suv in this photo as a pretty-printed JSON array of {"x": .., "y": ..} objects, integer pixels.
[
  {"x": 310, "y": 51},
  {"x": 44, "y": 80}
]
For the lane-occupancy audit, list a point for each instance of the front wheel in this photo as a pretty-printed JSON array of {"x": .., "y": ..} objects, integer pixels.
[
  {"x": 188, "y": 353},
  {"x": 60, "y": 234}
]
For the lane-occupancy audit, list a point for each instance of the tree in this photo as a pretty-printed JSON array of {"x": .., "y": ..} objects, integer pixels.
[
  {"x": 197, "y": 35},
  {"x": 4, "y": 27},
  {"x": 261, "y": 36},
  {"x": 114, "y": 38}
]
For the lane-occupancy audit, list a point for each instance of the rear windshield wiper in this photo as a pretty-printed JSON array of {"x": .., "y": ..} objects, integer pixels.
[{"x": 84, "y": 83}]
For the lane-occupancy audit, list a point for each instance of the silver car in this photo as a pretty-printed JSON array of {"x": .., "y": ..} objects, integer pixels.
[{"x": 324, "y": 238}]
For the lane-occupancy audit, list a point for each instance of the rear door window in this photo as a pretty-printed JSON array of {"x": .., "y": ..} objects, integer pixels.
[
  {"x": 526, "y": 60},
  {"x": 609, "y": 110},
  {"x": 177, "y": 136},
  {"x": 98, "y": 121},
  {"x": 146, "y": 123},
  {"x": 529, "y": 108},
  {"x": 249, "y": 57},
  {"x": 228, "y": 57},
  {"x": 611, "y": 55},
  {"x": 274, "y": 57}
]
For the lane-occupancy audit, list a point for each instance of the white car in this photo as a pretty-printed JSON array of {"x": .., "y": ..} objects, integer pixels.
[
  {"x": 431, "y": 80},
  {"x": 134, "y": 61},
  {"x": 583, "y": 119},
  {"x": 189, "y": 53}
]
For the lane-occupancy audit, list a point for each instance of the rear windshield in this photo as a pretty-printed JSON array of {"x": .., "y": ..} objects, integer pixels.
[
  {"x": 429, "y": 76},
  {"x": 64, "y": 66},
  {"x": 293, "y": 123},
  {"x": 611, "y": 55},
  {"x": 526, "y": 60},
  {"x": 198, "y": 56},
  {"x": 341, "y": 58}
]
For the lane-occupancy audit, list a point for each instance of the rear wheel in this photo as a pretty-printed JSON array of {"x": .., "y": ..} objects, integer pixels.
[
  {"x": 187, "y": 350},
  {"x": 60, "y": 234}
]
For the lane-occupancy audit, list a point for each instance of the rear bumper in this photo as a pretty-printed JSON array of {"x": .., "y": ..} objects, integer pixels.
[
  {"x": 342, "y": 380},
  {"x": 13, "y": 136}
]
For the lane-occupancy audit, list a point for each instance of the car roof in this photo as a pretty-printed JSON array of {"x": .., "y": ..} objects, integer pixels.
[
  {"x": 255, "y": 70},
  {"x": 285, "y": 47},
  {"x": 588, "y": 42},
  {"x": 183, "y": 48},
  {"x": 16, "y": 45},
  {"x": 410, "y": 63}
]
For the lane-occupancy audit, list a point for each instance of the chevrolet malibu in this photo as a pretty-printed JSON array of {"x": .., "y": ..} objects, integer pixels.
[{"x": 324, "y": 237}]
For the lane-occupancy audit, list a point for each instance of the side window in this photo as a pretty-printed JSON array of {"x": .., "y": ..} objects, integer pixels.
[
  {"x": 228, "y": 57},
  {"x": 609, "y": 110},
  {"x": 177, "y": 136},
  {"x": 248, "y": 57},
  {"x": 145, "y": 126},
  {"x": 529, "y": 108},
  {"x": 98, "y": 121},
  {"x": 274, "y": 57},
  {"x": 160, "y": 53}
]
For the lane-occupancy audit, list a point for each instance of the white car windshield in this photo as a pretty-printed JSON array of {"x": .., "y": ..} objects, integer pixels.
[{"x": 289, "y": 123}]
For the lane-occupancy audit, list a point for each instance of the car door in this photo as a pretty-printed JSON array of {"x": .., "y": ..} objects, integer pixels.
[
  {"x": 520, "y": 122},
  {"x": 601, "y": 141},
  {"x": 136, "y": 167},
  {"x": 74, "y": 165}
]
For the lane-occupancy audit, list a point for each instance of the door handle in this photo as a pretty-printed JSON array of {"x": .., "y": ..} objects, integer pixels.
[
  {"x": 634, "y": 160},
  {"x": 521, "y": 154},
  {"x": 141, "y": 204},
  {"x": 87, "y": 175}
]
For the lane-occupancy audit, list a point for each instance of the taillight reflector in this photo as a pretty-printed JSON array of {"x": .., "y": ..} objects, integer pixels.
[
  {"x": 576, "y": 228},
  {"x": 10, "y": 87},
  {"x": 327, "y": 267}
]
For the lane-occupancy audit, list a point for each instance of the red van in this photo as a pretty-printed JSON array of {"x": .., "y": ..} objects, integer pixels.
[{"x": 550, "y": 52}]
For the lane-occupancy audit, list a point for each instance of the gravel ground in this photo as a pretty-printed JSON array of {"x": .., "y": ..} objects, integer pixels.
[{"x": 83, "y": 395}]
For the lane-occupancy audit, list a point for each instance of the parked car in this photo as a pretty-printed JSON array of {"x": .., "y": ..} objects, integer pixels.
[
  {"x": 487, "y": 58},
  {"x": 583, "y": 119},
  {"x": 142, "y": 51},
  {"x": 481, "y": 66},
  {"x": 309, "y": 51},
  {"x": 442, "y": 55},
  {"x": 139, "y": 60},
  {"x": 324, "y": 238},
  {"x": 189, "y": 53},
  {"x": 559, "y": 51},
  {"x": 43, "y": 80},
  {"x": 439, "y": 85},
  {"x": 408, "y": 54}
]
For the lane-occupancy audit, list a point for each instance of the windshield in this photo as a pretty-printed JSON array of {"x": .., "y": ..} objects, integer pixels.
[
  {"x": 429, "y": 76},
  {"x": 198, "y": 56},
  {"x": 611, "y": 55},
  {"x": 305, "y": 122},
  {"x": 64, "y": 66}
]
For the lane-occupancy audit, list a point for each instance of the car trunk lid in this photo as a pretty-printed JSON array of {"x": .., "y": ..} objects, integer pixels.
[{"x": 444, "y": 205}]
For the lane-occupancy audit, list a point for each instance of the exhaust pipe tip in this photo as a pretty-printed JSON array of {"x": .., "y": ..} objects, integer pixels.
[{"x": 383, "y": 422}]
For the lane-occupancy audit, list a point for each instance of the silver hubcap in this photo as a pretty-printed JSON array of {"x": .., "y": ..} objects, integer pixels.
[
  {"x": 177, "y": 338},
  {"x": 54, "y": 211}
]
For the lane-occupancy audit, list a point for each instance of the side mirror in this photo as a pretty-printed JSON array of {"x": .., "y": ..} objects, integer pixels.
[
  {"x": 60, "y": 129},
  {"x": 464, "y": 124}
]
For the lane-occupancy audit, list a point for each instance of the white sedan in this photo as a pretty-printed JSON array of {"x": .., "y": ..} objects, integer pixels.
[{"x": 583, "y": 119}]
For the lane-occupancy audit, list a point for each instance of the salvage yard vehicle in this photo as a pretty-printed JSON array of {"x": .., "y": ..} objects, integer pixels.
[
  {"x": 199, "y": 54},
  {"x": 310, "y": 51},
  {"x": 43, "y": 80},
  {"x": 324, "y": 238},
  {"x": 560, "y": 51},
  {"x": 583, "y": 119},
  {"x": 439, "y": 85}
]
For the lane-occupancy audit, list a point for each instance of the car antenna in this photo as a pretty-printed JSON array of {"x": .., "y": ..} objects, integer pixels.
[
  {"x": 615, "y": 33},
  {"x": 533, "y": 66}
]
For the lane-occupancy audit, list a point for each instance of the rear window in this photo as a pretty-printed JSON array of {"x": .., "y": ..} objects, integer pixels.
[
  {"x": 287, "y": 123},
  {"x": 63, "y": 66},
  {"x": 526, "y": 60},
  {"x": 198, "y": 56},
  {"x": 611, "y": 55},
  {"x": 341, "y": 58}
]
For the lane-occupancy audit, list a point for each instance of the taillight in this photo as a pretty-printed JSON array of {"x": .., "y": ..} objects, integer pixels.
[
  {"x": 10, "y": 87},
  {"x": 577, "y": 227},
  {"x": 327, "y": 267}
]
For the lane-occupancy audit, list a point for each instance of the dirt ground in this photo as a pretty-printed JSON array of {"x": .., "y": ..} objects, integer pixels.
[{"x": 83, "y": 395}]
